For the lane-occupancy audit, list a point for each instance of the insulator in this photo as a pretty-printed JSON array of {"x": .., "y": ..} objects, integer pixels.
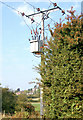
[
  {"x": 48, "y": 25},
  {"x": 32, "y": 20},
  {"x": 54, "y": 4},
  {"x": 36, "y": 30},
  {"x": 63, "y": 11},
  {"x": 31, "y": 31},
  {"x": 23, "y": 14},
  {"x": 38, "y": 9},
  {"x": 35, "y": 33}
]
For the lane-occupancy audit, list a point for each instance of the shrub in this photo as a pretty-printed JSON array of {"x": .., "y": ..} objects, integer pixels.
[{"x": 61, "y": 70}]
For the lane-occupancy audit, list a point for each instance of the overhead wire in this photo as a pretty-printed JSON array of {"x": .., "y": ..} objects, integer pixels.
[
  {"x": 45, "y": 12},
  {"x": 50, "y": 1},
  {"x": 48, "y": 23},
  {"x": 26, "y": 23},
  {"x": 23, "y": 14},
  {"x": 9, "y": 6},
  {"x": 15, "y": 10},
  {"x": 49, "y": 6},
  {"x": 52, "y": 20},
  {"x": 34, "y": 11},
  {"x": 30, "y": 4}
]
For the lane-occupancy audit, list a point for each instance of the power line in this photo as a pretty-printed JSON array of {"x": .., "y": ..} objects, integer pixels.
[
  {"x": 23, "y": 14},
  {"x": 9, "y": 6},
  {"x": 43, "y": 11},
  {"x": 26, "y": 23},
  {"x": 29, "y": 4},
  {"x": 16, "y": 11},
  {"x": 51, "y": 2}
]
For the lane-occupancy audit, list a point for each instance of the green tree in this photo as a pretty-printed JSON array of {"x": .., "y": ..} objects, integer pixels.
[
  {"x": 8, "y": 100},
  {"x": 61, "y": 69},
  {"x": 21, "y": 102}
]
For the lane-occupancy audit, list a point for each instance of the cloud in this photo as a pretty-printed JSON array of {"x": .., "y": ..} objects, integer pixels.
[{"x": 27, "y": 10}]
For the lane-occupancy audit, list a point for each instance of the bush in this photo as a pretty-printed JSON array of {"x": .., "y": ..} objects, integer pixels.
[
  {"x": 61, "y": 70},
  {"x": 8, "y": 101},
  {"x": 21, "y": 115},
  {"x": 30, "y": 108}
]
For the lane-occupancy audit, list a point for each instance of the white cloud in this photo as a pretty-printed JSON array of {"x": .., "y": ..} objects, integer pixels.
[{"x": 27, "y": 10}]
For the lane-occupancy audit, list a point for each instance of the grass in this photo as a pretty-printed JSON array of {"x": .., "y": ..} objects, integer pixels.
[{"x": 37, "y": 106}]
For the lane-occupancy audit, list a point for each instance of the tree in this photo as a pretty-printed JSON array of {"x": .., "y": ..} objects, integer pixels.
[
  {"x": 21, "y": 102},
  {"x": 8, "y": 101},
  {"x": 61, "y": 69}
]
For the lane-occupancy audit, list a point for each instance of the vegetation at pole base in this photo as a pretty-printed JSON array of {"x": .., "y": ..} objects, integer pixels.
[
  {"x": 61, "y": 69},
  {"x": 8, "y": 101},
  {"x": 19, "y": 104}
]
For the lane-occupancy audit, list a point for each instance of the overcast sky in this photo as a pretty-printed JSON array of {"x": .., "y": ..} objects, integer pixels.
[{"x": 17, "y": 61}]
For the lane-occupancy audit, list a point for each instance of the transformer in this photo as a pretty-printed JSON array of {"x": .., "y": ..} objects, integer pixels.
[{"x": 36, "y": 46}]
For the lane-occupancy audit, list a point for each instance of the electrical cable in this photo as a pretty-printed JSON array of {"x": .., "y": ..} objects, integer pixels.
[
  {"x": 50, "y": 1},
  {"x": 25, "y": 22},
  {"x": 52, "y": 20},
  {"x": 23, "y": 14},
  {"x": 49, "y": 6},
  {"x": 10, "y": 7},
  {"x": 38, "y": 9},
  {"x": 16, "y": 11},
  {"x": 47, "y": 24},
  {"x": 29, "y": 4}
]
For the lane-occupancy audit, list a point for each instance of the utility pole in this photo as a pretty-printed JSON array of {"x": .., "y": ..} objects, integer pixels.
[
  {"x": 41, "y": 89},
  {"x": 42, "y": 27},
  {"x": 44, "y": 14}
]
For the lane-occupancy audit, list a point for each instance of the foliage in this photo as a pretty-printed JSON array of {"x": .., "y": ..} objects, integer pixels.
[
  {"x": 21, "y": 102},
  {"x": 8, "y": 101},
  {"x": 21, "y": 115},
  {"x": 37, "y": 106},
  {"x": 61, "y": 69},
  {"x": 11, "y": 103},
  {"x": 30, "y": 108}
]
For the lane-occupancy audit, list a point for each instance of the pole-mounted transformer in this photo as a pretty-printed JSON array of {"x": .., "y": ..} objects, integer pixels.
[
  {"x": 36, "y": 43},
  {"x": 36, "y": 46}
]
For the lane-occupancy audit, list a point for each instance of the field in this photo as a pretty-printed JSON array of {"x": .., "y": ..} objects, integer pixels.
[{"x": 36, "y": 105}]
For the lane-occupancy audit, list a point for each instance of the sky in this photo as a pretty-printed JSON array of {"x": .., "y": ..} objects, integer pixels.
[{"x": 16, "y": 60}]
